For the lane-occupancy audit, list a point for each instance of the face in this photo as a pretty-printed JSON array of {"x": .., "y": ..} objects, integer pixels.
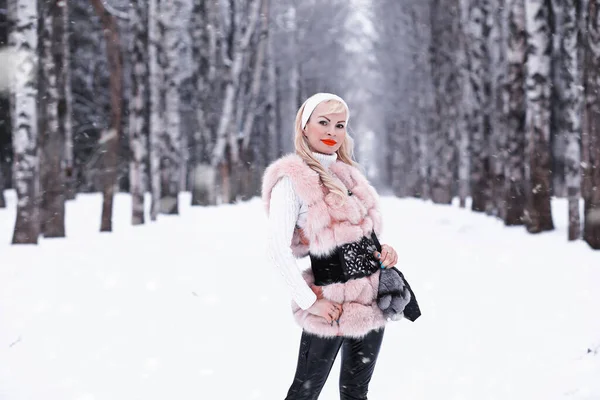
[{"x": 325, "y": 131}]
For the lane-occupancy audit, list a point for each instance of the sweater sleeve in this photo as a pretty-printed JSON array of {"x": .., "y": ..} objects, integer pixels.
[{"x": 283, "y": 214}]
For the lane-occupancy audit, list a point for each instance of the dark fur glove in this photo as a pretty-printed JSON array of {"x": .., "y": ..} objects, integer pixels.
[{"x": 393, "y": 294}]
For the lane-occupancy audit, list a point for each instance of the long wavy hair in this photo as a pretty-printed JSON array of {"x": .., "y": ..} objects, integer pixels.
[{"x": 345, "y": 153}]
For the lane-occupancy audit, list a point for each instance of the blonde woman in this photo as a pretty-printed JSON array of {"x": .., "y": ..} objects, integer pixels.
[{"x": 319, "y": 204}]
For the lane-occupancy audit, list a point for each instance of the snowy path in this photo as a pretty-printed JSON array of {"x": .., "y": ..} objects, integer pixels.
[{"x": 190, "y": 308}]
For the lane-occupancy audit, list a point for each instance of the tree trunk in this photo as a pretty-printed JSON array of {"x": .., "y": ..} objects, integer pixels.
[
  {"x": 464, "y": 160},
  {"x": 226, "y": 140},
  {"x": 23, "y": 38},
  {"x": 479, "y": 61},
  {"x": 248, "y": 164},
  {"x": 572, "y": 112},
  {"x": 445, "y": 24},
  {"x": 110, "y": 137},
  {"x": 156, "y": 103},
  {"x": 2, "y": 187},
  {"x": 591, "y": 233},
  {"x": 289, "y": 74},
  {"x": 515, "y": 118},
  {"x": 171, "y": 160},
  {"x": 498, "y": 33},
  {"x": 138, "y": 131},
  {"x": 273, "y": 132},
  {"x": 557, "y": 101},
  {"x": 202, "y": 31},
  {"x": 584, "y": 57},
  {"x": 52, "y": 210},
  {"x": 65, "y": 102},
  {"x": 538, "y": 171}
]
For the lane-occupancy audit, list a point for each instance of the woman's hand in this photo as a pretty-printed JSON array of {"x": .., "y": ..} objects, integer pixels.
[
  {"x": 388, "y": 256},
  {"x": 326, "y": 309}
]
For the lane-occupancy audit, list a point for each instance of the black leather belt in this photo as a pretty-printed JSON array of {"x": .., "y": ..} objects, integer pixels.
[{"x": 349, "y": 261}]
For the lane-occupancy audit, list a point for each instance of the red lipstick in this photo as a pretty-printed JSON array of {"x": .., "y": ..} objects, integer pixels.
[{"x": 329, "y": 142}]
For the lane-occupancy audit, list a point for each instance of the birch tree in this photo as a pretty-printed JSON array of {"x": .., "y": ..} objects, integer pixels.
[
  {"x": 2, "y": 187},
  {"x": 65, "y": 96},
  {"x": 274, "y": 149},
  {"x": 514, "y": 170},
  {"x": 157, "y": 104},
  {"x": 226, "y": 151},
  {"x": 23, "y": 40},
  {"x": 464, "y": 140},
  {"x": 538, "y": 169},
  {"x": 288, "y": 71},
  {"x": 110, "y": 136},
  {"x": 171, "y": 155},
  {"x": 52, "y": 210},
  {"x": 445, "y": 24},
  {"x": 250, "y": 173},
  {"x": 571, "y": 110},
  {"x": 479, "y": 62},
  {"x": 498, "y": 17},
  {"x": 204, "y": 48},
  {"x": 138, "y": 127},
  {"x": 591, "y": 232}
]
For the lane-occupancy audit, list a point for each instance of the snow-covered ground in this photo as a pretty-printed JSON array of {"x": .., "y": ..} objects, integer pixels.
[{"x": 189, "y": 307}]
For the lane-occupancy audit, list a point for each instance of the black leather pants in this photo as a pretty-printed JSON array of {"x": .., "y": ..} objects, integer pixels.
[{"x": 317, "y": 355}]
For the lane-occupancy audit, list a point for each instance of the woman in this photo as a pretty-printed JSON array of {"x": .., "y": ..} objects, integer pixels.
[{"x": 320, "y": 205}]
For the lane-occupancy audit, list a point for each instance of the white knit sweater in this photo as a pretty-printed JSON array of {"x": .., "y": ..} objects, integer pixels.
[{"x": 287, "y": 210}]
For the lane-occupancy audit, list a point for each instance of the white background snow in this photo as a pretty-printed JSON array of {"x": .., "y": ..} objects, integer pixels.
[{"x": 190, "y": 307}]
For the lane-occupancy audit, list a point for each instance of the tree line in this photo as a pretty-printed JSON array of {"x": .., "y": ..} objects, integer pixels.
[
  {"x": 489, "y": 100},
  {"x": 499, "y": 103}
]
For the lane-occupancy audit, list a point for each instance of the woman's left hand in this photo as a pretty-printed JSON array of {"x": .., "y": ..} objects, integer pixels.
[{"x": 388, "y": 256}]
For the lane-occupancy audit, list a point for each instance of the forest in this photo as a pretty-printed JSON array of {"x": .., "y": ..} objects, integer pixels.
[{"x": 492, "y": 103}]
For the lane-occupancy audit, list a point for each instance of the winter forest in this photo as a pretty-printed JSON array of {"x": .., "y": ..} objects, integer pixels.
[
  {"x": 492, "y": 101},
  {"x": 134, "y": 136}
]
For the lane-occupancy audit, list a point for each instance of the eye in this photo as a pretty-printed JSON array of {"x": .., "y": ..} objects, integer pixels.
[
  {"x": 324, "y": 123},
  {"x": 340, "y": 126}
]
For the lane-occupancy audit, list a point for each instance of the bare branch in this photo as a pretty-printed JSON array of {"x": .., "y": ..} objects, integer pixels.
[{"x": 122, "y": 15}]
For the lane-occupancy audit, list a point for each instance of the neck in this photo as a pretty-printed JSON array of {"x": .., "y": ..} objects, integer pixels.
[{"x": 325, "y": 159}]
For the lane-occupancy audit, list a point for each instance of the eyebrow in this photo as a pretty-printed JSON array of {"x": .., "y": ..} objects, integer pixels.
[{"x": 322, "y": 116}]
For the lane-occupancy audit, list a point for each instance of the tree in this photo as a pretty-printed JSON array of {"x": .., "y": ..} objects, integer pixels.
[
  {"x": 52, "y": 138},
  {"x": 2, "y": 186},
  {"x": 250, "y": 173},
  {"x": 288, "y": 75},
  {"x": 498, "y": 105},
  {"x": 591, "y": 233},
  {"x": 478, "y": 31},
  {"x": 235, "y": 50},
  {"x": 538, "y": 168},
  {"x": 464, "y": 118},
  {"x": 514, "y": 171},
  {"x": 204, "y": 48},
  {"x": 5, "y": 129},
  {"x": 138, "y": 127},
  {"x": 445, "y": 25},
  {"x": 65, "y": 97},
  {"x": 171, "y": 163},
  {"x": 571, "y": 110},
  {"x": 23, "y": 39},
  {"x": 110, "y": 136},
  {"x": 157, "y": 104}
]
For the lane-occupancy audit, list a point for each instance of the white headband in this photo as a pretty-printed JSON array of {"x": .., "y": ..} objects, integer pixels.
[{"x": 317, "y": 99}]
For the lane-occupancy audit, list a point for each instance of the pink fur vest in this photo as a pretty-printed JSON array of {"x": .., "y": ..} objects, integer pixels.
[{"x": 330, "y": 224}]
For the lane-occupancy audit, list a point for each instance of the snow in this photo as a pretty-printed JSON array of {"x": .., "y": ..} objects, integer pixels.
[{"x": 189, "y": 307}]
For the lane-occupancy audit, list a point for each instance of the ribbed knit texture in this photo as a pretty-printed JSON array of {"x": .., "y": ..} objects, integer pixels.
[{"x": 285, "y": 212}]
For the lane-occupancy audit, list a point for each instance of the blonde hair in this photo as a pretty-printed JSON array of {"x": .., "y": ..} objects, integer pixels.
[{"x": 344, "y": 153}]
